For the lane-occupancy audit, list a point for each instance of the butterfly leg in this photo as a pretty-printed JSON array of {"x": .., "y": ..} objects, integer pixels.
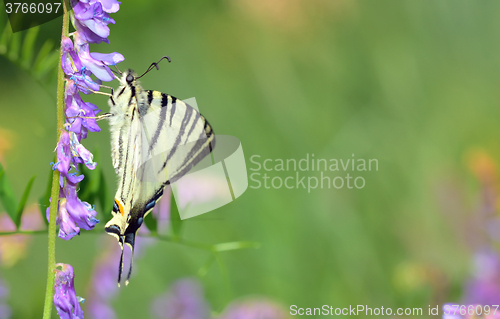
[
  {"x": 97, "y": 118},
  {"x": 99, "y": 92},
  {"x": 103, "y": 116}
]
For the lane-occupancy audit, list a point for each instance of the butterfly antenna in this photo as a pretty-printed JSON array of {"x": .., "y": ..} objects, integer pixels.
[{"x": 154, "y": 65}]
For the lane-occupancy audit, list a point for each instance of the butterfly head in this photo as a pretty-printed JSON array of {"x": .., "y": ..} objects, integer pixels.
[
  {"x": 123, "y": 96},
  {"x": 128, "y": 78}
]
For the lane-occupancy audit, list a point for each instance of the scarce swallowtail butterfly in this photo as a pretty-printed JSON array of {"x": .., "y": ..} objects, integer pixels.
[{"x": 155, "y": 140}]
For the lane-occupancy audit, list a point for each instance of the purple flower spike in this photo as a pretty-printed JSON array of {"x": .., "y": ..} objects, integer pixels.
[
  {"x": 108, "y": 58},
  {"x": 71, "y": 88},
  {"x": 83, "y": 11},
  {"x": 81, "y": 154},
  {"x": 87, "y": 34},
  {"x": 74, "y": 105},
  {"x": 70, "y": 61},
  {"x": 93, "y": 17},
  {"x": 85, "y": 82},
  {"x": 65, "y": 299},
  {"x": 81, "y": 212},
  {"x": 90, "y": 18},
  {"x": 67, "y": 227},
  {"x": 73, "y": 178},
  {"x": 98, "y": 68},
  {"x": 90, "y": 111},
  {"x": 63, "y": 154},
  {"x": 110, "y": 6}
]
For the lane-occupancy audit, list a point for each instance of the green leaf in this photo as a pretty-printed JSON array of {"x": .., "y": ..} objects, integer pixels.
[
  {"x": 44, "y": 201},
  {"x": 22, "y": 203},
  {"x": 14, "y": 46},
  {"x": 95, "y": 175},
  {"x": 7, "y": 195},
  {"x": 22, "y": 51},
  {"x": 43, "y": 53},
  {"x": 104, "y": 198},
  {"x": 206, "y": 266},
  {"x": 151, "y": 223},
  {"x": 89, "y": 186},
  {"x": 83, "y": 191},
  {"x": 28, "y": 48},
  {"x": 5, "y": 39},
  {"x": 175, "y": 218},
  {"x": 47, "y": 64}
]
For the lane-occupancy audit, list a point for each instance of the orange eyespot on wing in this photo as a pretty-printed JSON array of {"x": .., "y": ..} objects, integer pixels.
[{"x": 120, "y": 207}]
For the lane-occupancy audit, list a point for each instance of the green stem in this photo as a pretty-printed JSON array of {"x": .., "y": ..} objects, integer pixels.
[
  {"x": 49, "y": 292},
  {"x": 184, "y": 242}
]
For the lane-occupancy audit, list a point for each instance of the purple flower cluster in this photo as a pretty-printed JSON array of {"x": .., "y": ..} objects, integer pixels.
[
  {"x": 5, "y": 310},
  {"x": 65, "y": 299},
  {"x": 259, "y": 308},
  {"x": 90, "y": 19},
  {"x": 185, "y": 300},
  {"x": 484, "y": 287}
]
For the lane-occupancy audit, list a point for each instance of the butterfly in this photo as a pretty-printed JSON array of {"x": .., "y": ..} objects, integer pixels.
[{"x": 155, "y": 140}]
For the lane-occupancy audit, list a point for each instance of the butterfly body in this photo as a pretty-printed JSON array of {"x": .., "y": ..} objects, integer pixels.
[{"x": 155, "y": 140}]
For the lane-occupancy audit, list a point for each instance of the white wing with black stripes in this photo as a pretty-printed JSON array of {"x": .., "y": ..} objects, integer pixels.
[
  {"x": 156, "y": 139},
  {"x": 175, "y": 137}
]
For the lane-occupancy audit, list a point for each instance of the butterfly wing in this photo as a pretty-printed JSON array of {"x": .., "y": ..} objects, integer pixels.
[{"x": 174, "y": 137}]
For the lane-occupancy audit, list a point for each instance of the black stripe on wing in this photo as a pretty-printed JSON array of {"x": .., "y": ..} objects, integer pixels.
[
  {"x": 185, "y": 120},
  {"x": 150, "y": 96},
  {"x": 156, "y": 135},
  {"x": 201, "y": 148},
  {"x": 153, "y": 200},
  {"x": 205, "y": 145}
]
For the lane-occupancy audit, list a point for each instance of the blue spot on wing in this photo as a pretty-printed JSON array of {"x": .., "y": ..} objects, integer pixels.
[{"x": 150, "y": 205}]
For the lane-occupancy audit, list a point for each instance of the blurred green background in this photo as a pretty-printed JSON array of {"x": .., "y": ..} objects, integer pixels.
[{"x": 414, "y": 84}]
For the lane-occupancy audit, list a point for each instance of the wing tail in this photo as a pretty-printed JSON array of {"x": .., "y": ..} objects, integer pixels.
[
  {"x": 130, "y": 241},
  {"x": 120, "y": 267}
]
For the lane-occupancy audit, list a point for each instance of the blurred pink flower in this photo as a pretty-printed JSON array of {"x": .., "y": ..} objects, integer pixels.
[
  {"x": 484, "y": 287},
  {"x": 13, "y": 247},
  {"x": 254, "y": 308},
  {"x": 184, "y": 300},
  {"x": 200, "y": 189}
]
